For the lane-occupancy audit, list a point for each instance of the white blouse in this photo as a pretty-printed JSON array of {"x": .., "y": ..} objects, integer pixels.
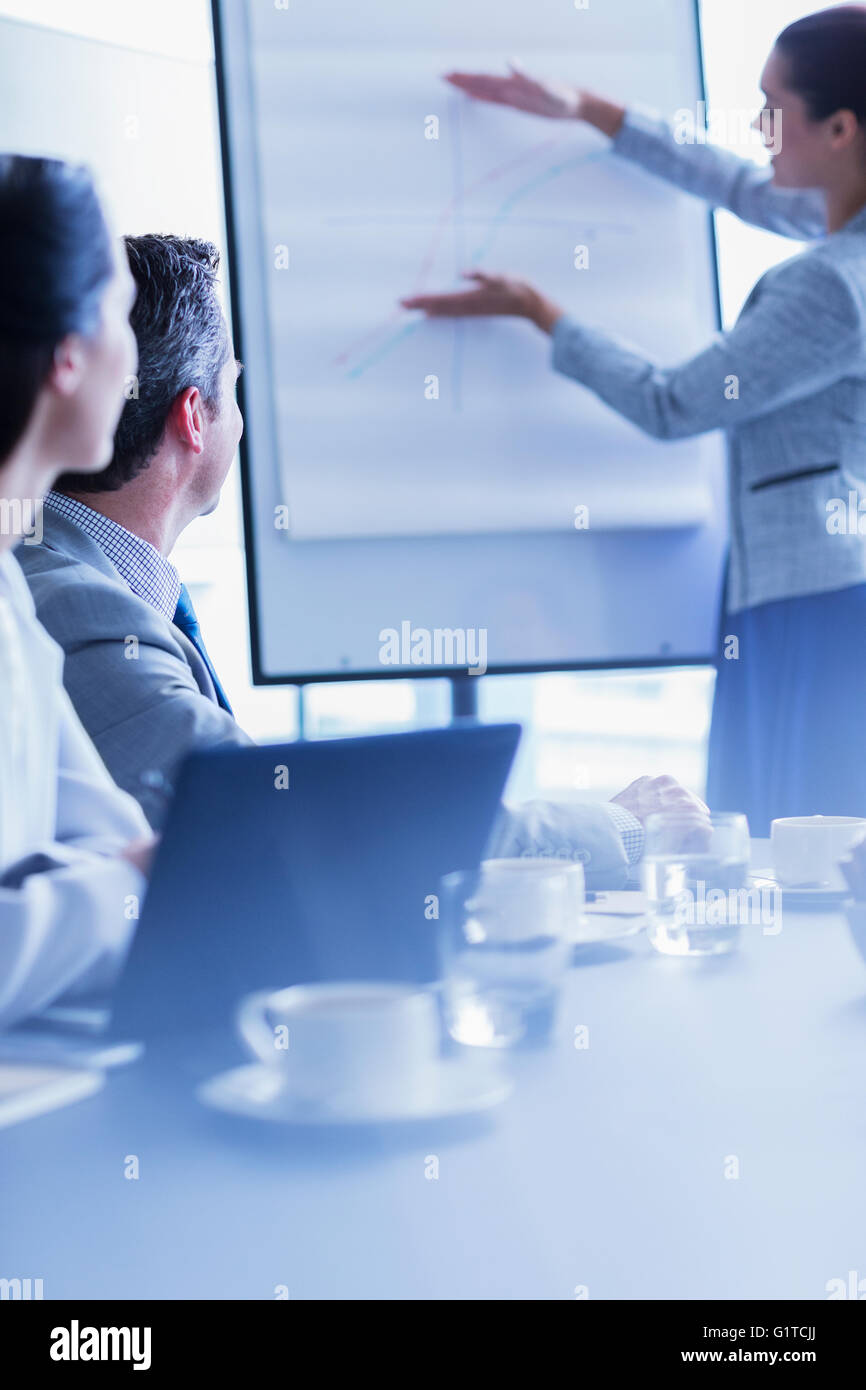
[{"x": 68, "y": 904}]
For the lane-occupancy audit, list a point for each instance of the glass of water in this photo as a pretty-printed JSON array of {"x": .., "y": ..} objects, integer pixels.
[
  {"x": 505, "y": 946},
  {"x": 695, "y": 877}
]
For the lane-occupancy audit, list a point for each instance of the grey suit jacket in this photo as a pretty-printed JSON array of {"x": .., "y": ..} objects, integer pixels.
[
  {"x": 146, "y": 698},
  {"x": 787, "y": 384},
  {"x": 139, "y": 686}
]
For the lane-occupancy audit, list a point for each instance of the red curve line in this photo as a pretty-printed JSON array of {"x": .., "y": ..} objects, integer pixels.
[{"x": 429, "y": 259}]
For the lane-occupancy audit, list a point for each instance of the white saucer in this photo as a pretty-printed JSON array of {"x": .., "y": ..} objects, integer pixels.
[
  {"x": 455, "y": 1086},
  {"x": 609, "y": 916},
  {"x": 800, "y": 896},
  {"x": 599, "y": 926}
]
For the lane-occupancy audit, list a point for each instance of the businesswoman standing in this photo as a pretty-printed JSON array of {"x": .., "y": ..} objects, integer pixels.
[
  {"x": 72, "y": 847},
  {"x": 788, "y": 732}
]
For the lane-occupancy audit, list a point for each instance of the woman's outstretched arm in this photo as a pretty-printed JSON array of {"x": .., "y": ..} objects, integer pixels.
[
  {"x": 802, "y": 332},
  {"x": 719, "y": 176}
]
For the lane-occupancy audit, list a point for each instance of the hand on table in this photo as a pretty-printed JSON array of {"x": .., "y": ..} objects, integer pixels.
[
  {"x": 140, "y": 853},
  {"x": 649, "y": 795},
  {"x": 491, "y": 295}
]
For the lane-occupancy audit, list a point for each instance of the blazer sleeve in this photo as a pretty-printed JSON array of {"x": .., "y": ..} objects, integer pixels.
[
  {"x": 131, "y": 684},
  {"x": 586, "y": 831},
  {"x": 158, "y": 716},
  {"x": 720, "y": 177},
  {"x": 67, "y": 912},
  {"x": 92, "y": 812},
  {"x": 801, "y": 333}
]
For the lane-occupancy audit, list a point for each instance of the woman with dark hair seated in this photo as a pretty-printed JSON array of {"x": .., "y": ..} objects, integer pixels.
[{"x": 73, "y": 848}]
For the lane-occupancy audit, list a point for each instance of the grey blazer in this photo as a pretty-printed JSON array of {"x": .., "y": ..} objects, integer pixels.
[
  {"x": 787, "y": 384},
  {"x": 147, "y": 702},
  {"x": 139, "y": 686}
]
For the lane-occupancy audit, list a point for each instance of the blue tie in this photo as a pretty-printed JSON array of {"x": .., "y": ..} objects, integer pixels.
[{"x": 185, "y": 619}]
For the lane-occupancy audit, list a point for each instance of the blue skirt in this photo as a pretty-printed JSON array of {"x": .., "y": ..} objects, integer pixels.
[{"x": 788, "y": 735}]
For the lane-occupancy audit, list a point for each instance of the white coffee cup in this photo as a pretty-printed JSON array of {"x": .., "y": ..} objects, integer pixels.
[
  {"x": 365, "y": 1042},
  {"x": 510, "y": 888},
  {"x": 807, "y": 849}
]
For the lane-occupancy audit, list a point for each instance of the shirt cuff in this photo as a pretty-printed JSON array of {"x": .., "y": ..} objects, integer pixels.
[
  {"x": 630, "y": 829},
  {"x": 574, "y": 347},
  {"x": 640, "y": 132}
]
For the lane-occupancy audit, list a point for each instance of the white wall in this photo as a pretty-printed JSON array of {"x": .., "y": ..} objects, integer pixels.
[{"x": 129, "y": 89}]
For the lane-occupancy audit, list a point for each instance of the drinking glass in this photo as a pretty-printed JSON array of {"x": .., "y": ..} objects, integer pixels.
[
  {"x": 504, "y": 937},
  {"x": 695, "y": 876}
]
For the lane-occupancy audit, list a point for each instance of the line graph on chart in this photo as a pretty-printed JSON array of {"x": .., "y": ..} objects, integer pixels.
[
  {"x": 475, "y": 236},
  {"x": 456, "y": 426}
]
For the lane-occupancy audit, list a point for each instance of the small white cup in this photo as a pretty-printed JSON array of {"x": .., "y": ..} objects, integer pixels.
[
  {"x": 367, "y": 1042},
  {"x": 511, "y": 887},
  {"x": 806, "y": 849},
  {"x": 856, "y": 914}
]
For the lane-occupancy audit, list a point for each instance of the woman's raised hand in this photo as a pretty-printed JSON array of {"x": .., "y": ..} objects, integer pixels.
[
  {"x": 554, "y": 99},
  {"x": 491, "y": 294}
]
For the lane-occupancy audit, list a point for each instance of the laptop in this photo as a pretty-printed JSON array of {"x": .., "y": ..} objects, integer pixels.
[{"x": 306, "y": 861}]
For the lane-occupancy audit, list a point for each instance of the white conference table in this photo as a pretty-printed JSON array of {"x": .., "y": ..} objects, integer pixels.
[{"x": 604, "y": 1171}]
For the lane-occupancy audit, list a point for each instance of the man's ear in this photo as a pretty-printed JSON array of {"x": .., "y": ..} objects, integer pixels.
[
  {"x": 187, "y": 417},
  {"x": 67, "y": 367}
]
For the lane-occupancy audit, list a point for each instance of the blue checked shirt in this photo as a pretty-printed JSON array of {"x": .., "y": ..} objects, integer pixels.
[
  {"x": 630, "y": 829},
  {"x": 149, "y": 574}
]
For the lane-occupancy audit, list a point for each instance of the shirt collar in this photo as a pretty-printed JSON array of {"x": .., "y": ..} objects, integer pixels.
[{"x": 148, "y": 573}]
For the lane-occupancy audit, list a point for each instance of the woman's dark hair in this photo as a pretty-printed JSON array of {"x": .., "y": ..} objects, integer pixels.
[
  {"x": 826, "y": 57},
  {"x": 182, "y": 342},
  {"x": 55, "y": 261}
]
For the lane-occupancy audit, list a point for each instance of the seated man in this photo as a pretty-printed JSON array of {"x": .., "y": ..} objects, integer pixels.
[{"x": 136, "y": 667}]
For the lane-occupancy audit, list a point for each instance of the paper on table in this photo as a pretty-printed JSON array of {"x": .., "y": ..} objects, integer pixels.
[
  {"x": 619, "y": 903},
  {"x": 26, "y": 1091}
]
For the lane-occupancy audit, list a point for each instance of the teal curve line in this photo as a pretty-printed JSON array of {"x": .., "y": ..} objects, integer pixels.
[
  {"x": 505, "y": 208},
  {"x": 497, "y": 220},
  {"x": 372, "y": 358}
]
